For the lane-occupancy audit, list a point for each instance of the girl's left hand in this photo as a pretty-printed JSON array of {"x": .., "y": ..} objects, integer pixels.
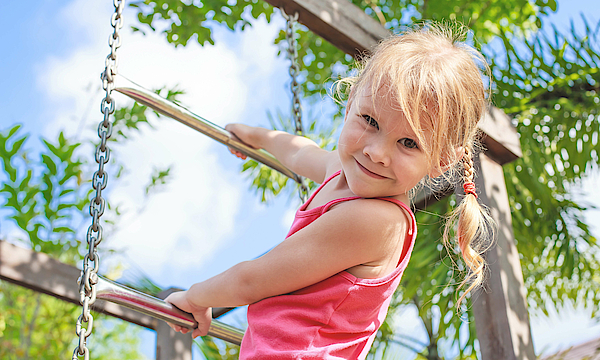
[
  {"x": 203, "y": 315},
  {"x": 245, "y": 134}
]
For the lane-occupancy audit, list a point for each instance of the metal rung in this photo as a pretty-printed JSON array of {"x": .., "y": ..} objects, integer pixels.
[
  {"x": 111, "y": 291},
  {"x": 181, "y": 114}
]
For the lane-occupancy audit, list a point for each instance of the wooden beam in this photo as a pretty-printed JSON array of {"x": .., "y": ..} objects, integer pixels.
[
  {"x": 40, "y": 272},
  {"x": 500, "y": 308},
  {"x": 348, "y": 28},
  {"x": 170, "y": 344},
  {"x": 338, "y": 21},
  {"x": 500, "y": 138}
]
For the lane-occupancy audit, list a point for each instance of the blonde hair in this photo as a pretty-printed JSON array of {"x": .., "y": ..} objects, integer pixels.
[{"x": 436, "y": 79}]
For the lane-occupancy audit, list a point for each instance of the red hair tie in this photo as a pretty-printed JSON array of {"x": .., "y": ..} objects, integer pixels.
[{"x": 470, "y": 189}]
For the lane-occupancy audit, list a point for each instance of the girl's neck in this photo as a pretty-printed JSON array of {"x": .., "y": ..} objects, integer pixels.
[{"x": 336, "y": 188}]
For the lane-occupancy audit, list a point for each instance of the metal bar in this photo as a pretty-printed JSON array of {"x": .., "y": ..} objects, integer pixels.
[
  {"x": 186, "y": 117},
  {"x": 110, "y": 291}
]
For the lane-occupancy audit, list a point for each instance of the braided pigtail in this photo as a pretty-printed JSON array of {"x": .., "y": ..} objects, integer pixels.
[{"x": 474, "y": 230}]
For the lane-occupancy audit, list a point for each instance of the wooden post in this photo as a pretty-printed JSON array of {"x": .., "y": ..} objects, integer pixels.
[
  {"x": 171, "y": 345},
  {"x": 500, "y": 308}
]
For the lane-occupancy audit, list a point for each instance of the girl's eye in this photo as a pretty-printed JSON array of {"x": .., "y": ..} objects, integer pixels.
[
  {"x": 370, "y": 121},
  {"x": 408, "y": 143}
]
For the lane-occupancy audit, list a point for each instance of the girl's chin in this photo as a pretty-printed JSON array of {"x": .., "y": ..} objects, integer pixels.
[
  {"x": 365, "y": 191},
  {"x": 368, "y": 191}
]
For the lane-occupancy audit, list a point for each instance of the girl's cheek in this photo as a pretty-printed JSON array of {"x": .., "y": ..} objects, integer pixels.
[
  {"x": 354, "y": 140},
  {"x": 357, "y": 131}
]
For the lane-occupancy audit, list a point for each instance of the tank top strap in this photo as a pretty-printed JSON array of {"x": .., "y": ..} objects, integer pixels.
[
  {"x": 411, "y": 232},
  {"x": 328, "y": 206},
  {"x": 310, "y": 198},
  {"x": 331, "y": 177},
  {"x": 403, "y": 206},
  {"x": 412, "y": 228}
]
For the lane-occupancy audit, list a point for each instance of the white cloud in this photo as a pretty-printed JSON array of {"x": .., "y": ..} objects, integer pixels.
[
  {"x": 188, "y": 219},
  {"x": 195, "y": 214},
  {"x": 210, "y": 76}
]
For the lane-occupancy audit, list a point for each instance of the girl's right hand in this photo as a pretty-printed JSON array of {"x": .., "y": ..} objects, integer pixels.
[
  {"x": 242, "y": 133},
  {"x": 203, "y": 315}
]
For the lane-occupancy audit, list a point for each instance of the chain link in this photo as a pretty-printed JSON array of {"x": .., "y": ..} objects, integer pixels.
[
  {"x": 91, "y": 261},
  {"x": 292, "y": 52}
]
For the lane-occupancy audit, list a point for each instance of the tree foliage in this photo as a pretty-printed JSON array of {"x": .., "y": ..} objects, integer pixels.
[
  {"x": 38, "y": 326},
  {"x": 552, "y": 91},
  {"x": 46, "y": 199},
  {"x": 547, "y": 79},
  {"x": 45, "y": 194}
]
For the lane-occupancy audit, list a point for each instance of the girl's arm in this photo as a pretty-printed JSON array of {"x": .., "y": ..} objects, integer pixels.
[
  {"x": 350, "y": 234},
  {"x": 299, "y": 154}
]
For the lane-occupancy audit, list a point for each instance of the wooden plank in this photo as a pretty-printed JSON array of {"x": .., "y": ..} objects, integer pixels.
[
  {"x": 348, "y": 28},
  {"x": 40, "y": 272},
  {"x": 500, "y": 309},
  {"x": 170, "y": 344},
  {"x": 338, "y": 21},
  {"x": 501, "y": 140}
]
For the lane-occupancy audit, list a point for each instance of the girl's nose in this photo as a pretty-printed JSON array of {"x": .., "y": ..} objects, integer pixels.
[{"x": 377, "y": 153}]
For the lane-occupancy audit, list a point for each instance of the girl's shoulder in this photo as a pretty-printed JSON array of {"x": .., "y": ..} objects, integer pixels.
[
  {"x": 379, "y": 211},
  {"x": 384, "y": 221},
  {"x": 379, "y": 230}
]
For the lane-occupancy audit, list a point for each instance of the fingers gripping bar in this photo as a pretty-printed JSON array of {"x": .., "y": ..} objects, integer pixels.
[{"x": 110, "y": 291}]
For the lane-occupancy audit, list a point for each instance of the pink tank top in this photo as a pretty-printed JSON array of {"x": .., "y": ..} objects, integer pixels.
[{"x": 336, "y": 318}]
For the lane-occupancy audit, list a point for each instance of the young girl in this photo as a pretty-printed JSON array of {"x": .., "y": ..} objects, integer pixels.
[{"x": 324, "y": 291}]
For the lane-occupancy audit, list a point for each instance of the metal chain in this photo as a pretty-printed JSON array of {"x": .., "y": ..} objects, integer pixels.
[
  {"x": 91, "y": 261},
  {"x": 292, "y": 51}
]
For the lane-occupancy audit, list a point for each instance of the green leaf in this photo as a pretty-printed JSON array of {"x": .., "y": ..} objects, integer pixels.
[
  {"x": 64, "y": 206},
  {"x": 63, "y": 229},
  {"x": 50, "y": 165},
  {"x": 66, "y": 191},
  {"x": 7, "y": 154}
]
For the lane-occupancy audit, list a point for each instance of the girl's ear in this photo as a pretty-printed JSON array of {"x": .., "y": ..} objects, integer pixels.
[{"x": 446, "y": 162}]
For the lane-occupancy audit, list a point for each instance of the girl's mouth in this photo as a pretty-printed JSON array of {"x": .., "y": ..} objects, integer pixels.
[{"x": 369, "y": 172}]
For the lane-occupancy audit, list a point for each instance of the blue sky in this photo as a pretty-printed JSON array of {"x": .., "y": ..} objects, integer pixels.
[{"x": 205, "y": 220}]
